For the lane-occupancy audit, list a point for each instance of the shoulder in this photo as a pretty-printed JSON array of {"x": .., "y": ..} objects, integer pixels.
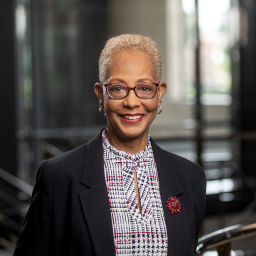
[
  {"x": 66, "y": 164},
  {"x": 188, "y": 173},
  {"x": 184, "y": 164},
  {"x": 176, "y": 161},
  {"x": 72, "y": 157},
  {"x": 71, "y": 165}
]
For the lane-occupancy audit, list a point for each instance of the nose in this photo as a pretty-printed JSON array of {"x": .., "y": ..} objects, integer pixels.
[{"x": 131, "y": 101}]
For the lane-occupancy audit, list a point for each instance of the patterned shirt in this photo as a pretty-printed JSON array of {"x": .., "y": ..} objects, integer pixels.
[{"x": 133, "y": 232}]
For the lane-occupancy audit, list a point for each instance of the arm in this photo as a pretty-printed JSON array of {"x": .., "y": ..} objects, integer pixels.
[{"x": 34, "y": 238}]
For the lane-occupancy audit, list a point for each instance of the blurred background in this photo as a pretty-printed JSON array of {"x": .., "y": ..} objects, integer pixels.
[{"x": 49, "y": 54}]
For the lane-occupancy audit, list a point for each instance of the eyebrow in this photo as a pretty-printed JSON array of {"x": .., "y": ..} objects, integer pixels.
[{"x": 139, "y": 81}]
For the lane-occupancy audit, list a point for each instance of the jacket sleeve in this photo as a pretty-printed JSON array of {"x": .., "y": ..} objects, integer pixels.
[
  {"x": 203, "y": 202},
  {"x": 35, "y": 236}
]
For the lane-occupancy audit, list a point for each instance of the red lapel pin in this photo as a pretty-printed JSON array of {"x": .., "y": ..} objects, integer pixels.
[{"x": 173, "y": 204}]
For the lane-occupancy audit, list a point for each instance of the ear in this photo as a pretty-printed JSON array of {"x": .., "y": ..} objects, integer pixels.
[
  {"x": 99, "y": 91},
  {"x": 162, "y": 88}
]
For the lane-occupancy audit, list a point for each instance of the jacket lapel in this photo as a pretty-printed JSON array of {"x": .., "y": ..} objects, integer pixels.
[
  {"x": 94, "y": 200},
  {"x": 169, "y": 186}
]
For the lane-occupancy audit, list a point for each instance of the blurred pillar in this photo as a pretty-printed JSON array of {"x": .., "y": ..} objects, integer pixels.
[
  {"x": 198, "y": 105},
  {"x": 244, "y": 92},
  {"x": 8, "y": 152}
]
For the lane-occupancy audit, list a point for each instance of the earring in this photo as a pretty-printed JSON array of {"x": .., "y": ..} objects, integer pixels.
[
  {"x": 101, "y": 109},
  {"x": 161, "y": 108}
]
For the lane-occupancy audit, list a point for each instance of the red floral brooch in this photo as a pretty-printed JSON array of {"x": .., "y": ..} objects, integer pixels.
[{"x": 173, "y": 204}]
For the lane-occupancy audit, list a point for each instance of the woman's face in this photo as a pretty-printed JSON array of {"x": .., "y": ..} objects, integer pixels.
[{"x": 131, "y": 68}]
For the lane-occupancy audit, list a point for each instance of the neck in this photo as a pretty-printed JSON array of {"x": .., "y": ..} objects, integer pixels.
[{"x": 129, "y": 145}]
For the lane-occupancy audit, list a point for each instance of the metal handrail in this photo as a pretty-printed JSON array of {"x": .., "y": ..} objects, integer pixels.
[
  {"x": 225, "y": 236},
  {"x": 16, "y": 182},
  {"x": 91, "y": 131}
]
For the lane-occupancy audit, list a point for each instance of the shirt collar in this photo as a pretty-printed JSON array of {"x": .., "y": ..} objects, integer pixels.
[{"x": 148, "y": 152}]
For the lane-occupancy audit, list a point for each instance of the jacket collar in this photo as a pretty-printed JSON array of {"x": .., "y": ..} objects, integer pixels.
[
  {"x": 166, "y": 171},
  {"x": 93, "y": 170},
  {"x": 94, "y": 201},
  {"x": 94, "y": 166}
]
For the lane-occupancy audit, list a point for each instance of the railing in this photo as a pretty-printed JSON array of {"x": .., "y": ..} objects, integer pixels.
[
  {"x": 16, "y": 182},
  {"x": 222, "y": 238},
  {"x": 15, "y": 207}
]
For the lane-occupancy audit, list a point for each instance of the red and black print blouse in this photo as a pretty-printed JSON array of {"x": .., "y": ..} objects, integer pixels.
[{"x": 134, "y": 233}]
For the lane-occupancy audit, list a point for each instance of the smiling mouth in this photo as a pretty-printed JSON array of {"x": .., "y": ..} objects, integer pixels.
[{"x": 132, "y": 117}]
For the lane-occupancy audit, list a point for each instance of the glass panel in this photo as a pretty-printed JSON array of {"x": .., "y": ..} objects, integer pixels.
[
  {"x": 215, "y": 57},
  {"x": 70, "y": 38},
  {"x": 24, "y": 89}
]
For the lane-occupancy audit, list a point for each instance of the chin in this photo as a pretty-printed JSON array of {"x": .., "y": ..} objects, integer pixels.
[
  {"x": 128, "y": 131},
  {"x": 132, "y": 133}
]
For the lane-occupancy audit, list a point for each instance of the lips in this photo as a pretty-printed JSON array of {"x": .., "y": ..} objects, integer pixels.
[{"x": 129, "y": 118}]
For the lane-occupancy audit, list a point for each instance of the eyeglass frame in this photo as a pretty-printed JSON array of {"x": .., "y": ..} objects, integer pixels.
[{"x": 131, "y": 89}]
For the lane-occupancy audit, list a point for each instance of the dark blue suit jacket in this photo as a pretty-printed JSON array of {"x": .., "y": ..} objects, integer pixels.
[{"x": 70, "y": 213}]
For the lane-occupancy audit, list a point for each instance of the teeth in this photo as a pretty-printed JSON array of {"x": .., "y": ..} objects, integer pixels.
[{"x": 133, "y": 117}]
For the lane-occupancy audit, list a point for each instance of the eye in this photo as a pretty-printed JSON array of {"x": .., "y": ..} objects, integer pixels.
[
  {"x": 117, "y": 88},
  {"x": 114, "y": 88},
  {"x": 145, "y": 88}
]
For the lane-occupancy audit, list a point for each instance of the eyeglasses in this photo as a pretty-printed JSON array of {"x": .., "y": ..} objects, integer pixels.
[{"x": 120, "y": 91}]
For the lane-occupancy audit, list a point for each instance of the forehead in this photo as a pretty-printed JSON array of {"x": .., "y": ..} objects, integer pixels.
[
  {"x": 130, "y": 54},
  {"x": 132, "y": 62}
]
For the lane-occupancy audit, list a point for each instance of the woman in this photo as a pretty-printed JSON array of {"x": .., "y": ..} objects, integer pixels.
[{"x": 120, "y": 194}]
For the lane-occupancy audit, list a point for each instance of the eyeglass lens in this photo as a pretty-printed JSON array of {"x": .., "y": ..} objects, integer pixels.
[{"x": 144, "y": 91}]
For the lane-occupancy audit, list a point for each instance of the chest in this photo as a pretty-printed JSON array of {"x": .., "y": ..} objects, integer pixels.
[{"x": 137, "y": 215}]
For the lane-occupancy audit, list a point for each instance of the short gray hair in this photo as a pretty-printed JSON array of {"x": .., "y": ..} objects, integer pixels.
[{"x": 128, "y": 42}]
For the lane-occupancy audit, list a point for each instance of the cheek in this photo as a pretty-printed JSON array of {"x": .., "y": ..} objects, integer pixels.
[
  {"x": 151, "y": 106},
  {"x": 111, "y": 106}
]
